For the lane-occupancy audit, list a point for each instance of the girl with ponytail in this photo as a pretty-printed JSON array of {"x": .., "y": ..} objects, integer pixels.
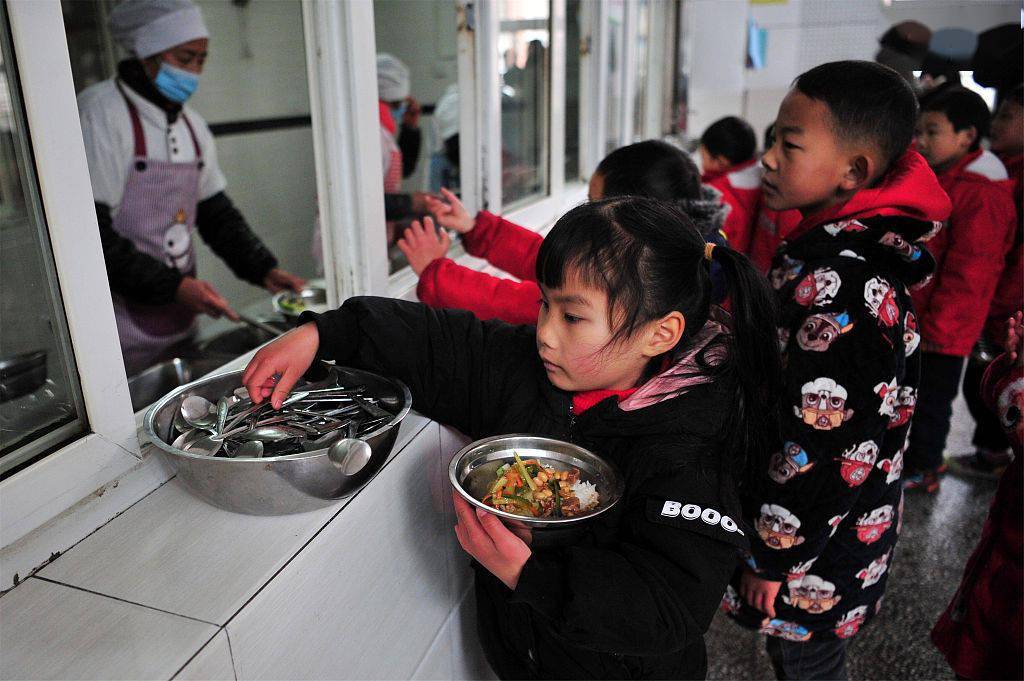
[{"x": 630, "y": 359}]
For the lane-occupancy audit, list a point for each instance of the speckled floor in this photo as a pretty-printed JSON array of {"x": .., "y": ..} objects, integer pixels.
[{"x": 939, "y": 533}]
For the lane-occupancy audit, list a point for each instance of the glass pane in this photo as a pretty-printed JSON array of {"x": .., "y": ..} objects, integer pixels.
[
  {"x": 419, "y": 73},
  {"x": 524, "y": 40},
  {"x": 616, "y": 16},
  {"x": 680, "y": 97},
  {"x": 643, "y": 32},
  {"x": 573, "y": 35},
  {"x": 40, "y": 400},
  {"x": 238, "y": 159}
]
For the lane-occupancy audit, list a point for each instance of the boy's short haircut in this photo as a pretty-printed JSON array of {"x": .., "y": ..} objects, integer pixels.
[
  {"x": 867, "y": 101},
  {"x": 964, "y": 109},
  {"x": 732, "y": 138}
]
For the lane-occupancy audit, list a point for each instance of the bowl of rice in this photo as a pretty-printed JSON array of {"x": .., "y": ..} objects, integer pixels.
[{"x": 587, "y": 481}]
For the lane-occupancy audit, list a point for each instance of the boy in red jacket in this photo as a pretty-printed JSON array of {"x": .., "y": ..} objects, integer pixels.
[
  {"x": 991, "y": 446},
  {"x": 969, "y": 255},
  {"x": 728, "y": 155},
  {"x": 827, "y": 510}
]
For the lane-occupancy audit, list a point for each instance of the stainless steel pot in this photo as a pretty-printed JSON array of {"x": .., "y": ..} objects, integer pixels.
[
  {"x": 474, "y": 470},
  {"x": 274, "y": 485}
]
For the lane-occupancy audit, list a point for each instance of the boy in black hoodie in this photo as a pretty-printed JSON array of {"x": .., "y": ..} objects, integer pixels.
[{"x": 828, "y": 512}]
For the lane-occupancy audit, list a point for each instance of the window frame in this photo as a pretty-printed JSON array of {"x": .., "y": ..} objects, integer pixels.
[{"x": 110, "y": 445}]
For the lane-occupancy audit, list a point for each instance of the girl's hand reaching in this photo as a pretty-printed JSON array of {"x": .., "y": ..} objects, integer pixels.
[
  {"x": 450, "y": 213},
  {"x": 275, "y": 369},
  {"x": 483, "y": 536},
  {"x": 423, "y": 245}
]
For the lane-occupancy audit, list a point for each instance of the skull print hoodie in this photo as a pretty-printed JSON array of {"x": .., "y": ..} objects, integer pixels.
[{"x": 827, "y": 515}]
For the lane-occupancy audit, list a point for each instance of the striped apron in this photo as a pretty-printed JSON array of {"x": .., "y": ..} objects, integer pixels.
[{"x": 157, "y": 214}]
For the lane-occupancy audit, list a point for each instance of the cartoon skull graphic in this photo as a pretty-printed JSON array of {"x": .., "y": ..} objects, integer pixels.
[
  {"x": 787, "y": 271},
  {"x": 906, "y": 402},
  {"x": 819, "y": 331},
  {"x": 789, "y": 463},
  {"x": 813, "y": 594},
  {"x": 880, "y": 298},
  {"x": 818, "y": 288},
  {"x": 835, "y": 521},
  {"x": 893, "y": 467},
  {"x": 857, "y": 462},
  {"x": 799, "y": 570},
  {"x": 1009, "y": 405},
  {"x": 911, "y": 337},
  {"x": 823, "y": 405},
  {"x": 777, "y": 527},
  {"x": 731, "y": 603},
  {"x": 873, "y": 572},
  {"x": 871, "y": 526},
  {"x": 791, "y": 631},
  {"x": 851, "y": 226},
  {"x": 906, "y": 250},
  {"x": 850, "y": 623}
]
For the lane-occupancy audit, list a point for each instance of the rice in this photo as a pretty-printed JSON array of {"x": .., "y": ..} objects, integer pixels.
[{"x": 586, "y": 492}]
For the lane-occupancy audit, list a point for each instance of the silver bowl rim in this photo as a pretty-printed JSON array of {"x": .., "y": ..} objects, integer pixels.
[
  {"x": 618, "y": 484},
  {"x": 149, "y": 423},
  {"x": 276, "y": 300}
]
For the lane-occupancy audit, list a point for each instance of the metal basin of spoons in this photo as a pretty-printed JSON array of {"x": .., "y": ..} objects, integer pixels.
[{"x": 328, "y": 439}]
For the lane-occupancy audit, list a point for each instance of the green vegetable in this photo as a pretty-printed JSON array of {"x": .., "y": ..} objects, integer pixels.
[
  {"x": 524, "y": 473},
  {"x": 498, "y": 484},
  {"x": 558, "y": 498}
]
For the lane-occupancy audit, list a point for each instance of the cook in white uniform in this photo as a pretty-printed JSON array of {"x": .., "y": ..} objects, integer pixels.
[{"x": 155, "y": 177}]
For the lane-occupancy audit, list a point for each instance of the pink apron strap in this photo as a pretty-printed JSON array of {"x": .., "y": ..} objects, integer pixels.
[{"x": 133, "y": 113}]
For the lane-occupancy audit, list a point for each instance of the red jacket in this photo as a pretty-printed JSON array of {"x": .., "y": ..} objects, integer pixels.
[
  {"x": 1010, "y": 289},
  {"x": 770, "y": 230},
  {"x": 741, "y": 189},
  {"x": 981, "y": 633},
  {"x": 969, "y": 254},
  {"x": 505, "y": 245}
]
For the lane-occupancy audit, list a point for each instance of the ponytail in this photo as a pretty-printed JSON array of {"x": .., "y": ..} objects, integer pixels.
[{"x": 756, "y": 361}]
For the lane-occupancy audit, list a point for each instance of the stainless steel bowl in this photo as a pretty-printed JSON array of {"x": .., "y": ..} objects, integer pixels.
[
  {"x": 274, "y": 485},
  {"x": 315, "y": 298},
  {"x": 474, "y": 470}
]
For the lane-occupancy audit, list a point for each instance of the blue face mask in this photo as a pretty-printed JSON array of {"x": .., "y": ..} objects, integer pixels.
[
  {"x": 175, "y": 84},
  {"x": 399, "y": 111}
]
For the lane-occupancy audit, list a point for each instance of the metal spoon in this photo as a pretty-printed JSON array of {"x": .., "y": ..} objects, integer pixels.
[
  {"x": 205, "y": 445},
  {"x": 351, "y": 456},
  {"x": 198, "y": 412},
  {"x": 253, "y": 449},
  {"x": 222, "y": 413},
  {"x": 272, "y": 434},
  {"x": 183, "y": 441}
]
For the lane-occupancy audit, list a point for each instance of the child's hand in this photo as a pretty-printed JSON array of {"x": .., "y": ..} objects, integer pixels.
[
  {"x": 423, "y": 245},
  {"x": 494, "y": 546},
  {"x": 1014, "y": 337},
  {"x": 275, "y": 369},
  {"x": 759, "y": 593},
  {"x": 450, "y": 213}
]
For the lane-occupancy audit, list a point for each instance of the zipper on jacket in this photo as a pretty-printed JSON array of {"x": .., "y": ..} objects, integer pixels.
[{"x": 572, "y": 423}]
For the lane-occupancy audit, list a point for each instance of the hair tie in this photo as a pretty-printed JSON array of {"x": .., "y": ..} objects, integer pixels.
[{"x": 708, "y": 250}]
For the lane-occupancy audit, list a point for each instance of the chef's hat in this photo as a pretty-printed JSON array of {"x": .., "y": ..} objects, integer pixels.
[
  {"x": 148, "y": 27},
  {"x": 446, "y": 114},
  {"x": 392, "y": 78}
]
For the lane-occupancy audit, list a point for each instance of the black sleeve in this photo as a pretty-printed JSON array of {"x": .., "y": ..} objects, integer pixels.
[
  {"x": 409, "y": 140},
  {"x": 397, "y": 206},
  {"x": 653, "y": 593},
  {"x": 226, "y": 232},
  {"x": 461, "y": 371},
  {"x": 133, "y": 274}
]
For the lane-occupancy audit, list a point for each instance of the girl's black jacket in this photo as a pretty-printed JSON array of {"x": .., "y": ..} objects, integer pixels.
[{"x": 634, "y": 595}]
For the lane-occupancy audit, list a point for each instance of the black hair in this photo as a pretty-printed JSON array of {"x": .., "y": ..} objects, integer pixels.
[
  {"x": 649, "y": 258},
  {"x": 652, "y": 168},
  {"x": 732, "y": 138},
  {"x": 1015, "y": 96},
  {"x": 769, "y": 135},
  {"x": 866, "y": 101},
  {"x": 964, "y": 109}
]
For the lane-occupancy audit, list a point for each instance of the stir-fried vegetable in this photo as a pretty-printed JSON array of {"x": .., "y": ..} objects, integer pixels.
[{"x": 529, "y": 488}]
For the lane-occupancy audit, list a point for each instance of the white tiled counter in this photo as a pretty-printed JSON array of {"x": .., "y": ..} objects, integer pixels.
[{"x": 374, "y": 586}]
